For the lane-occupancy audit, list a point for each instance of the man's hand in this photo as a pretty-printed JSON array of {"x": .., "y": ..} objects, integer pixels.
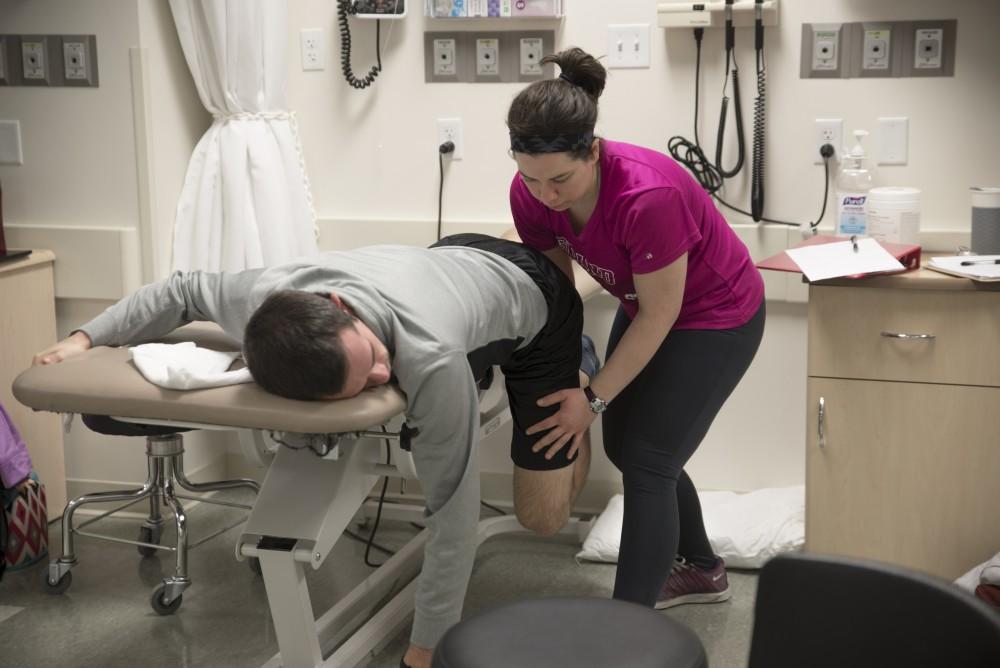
[
  {"x": 570, "y": 423},
  {"x": 74, "y": 344}
]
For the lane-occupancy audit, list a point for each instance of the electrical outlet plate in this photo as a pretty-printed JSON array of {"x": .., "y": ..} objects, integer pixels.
[
  {"x": 79, "y": 60},
  {"x": 928, "y": 45},
  {"x": 34, "y": 60},
  {"x": 488, "y": 57},
  {"x": 531, "y": 56},
  {"x": 828, "y": 131},
  {"x": 312, "y": 49},
  {"x": 444, "y": 57},
  {"x": 826, "y": 48},
  {"x": 628, "y": 46},
  {"x": 450, "y": 129},
  {"x": 876, "y": 49}
]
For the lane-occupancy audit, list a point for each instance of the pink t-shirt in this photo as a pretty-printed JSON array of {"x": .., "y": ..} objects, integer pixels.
[{"x": 650, "y": 212}]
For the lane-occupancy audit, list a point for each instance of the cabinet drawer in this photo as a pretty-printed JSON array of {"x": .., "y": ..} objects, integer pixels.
[
  {"x": 903, "y": 472},
  {"x": 959, "y": 335}
]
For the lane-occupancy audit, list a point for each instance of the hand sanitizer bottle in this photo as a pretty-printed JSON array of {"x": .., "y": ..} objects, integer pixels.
[{"x": 853, "y": 183}]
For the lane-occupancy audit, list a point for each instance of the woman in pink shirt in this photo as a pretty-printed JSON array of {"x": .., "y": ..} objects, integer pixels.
[{"x": 690, "y": 320}]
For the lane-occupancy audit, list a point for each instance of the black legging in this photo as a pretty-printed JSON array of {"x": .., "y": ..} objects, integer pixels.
[{"x": 651, "y": 429}]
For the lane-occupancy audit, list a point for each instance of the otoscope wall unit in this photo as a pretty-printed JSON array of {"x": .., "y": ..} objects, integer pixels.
[{"x": 713, "y": 14}]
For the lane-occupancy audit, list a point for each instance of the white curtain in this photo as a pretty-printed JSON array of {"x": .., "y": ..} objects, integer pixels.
[{"x": 245, "y": 201}]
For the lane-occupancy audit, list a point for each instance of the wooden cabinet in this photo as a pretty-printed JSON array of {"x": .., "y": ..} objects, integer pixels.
[
  {"x": 903, "y": 429},
  {"x": 27, "y": 325}
]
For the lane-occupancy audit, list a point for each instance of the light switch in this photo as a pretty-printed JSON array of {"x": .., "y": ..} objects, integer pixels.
[
  {"x": 628, "y": 45},
  {"x": 892, "y": 140},
  {"x": 10, "y": 143}
]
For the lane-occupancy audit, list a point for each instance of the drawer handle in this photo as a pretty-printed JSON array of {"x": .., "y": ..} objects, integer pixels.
[
  {"x": 908, "y": 337},
  {"x": 822, "y": 422}
]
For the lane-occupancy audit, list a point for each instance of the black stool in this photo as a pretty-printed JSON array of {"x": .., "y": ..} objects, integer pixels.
[
  {"x": 570, "y": 633},
  {"x": 165, "y": 462}
]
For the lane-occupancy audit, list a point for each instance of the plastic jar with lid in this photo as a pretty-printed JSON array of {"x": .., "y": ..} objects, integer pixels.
[{"x": 894, "y": 214}]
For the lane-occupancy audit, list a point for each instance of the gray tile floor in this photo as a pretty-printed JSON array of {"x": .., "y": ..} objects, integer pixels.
[{"x": 104, "y": 620}]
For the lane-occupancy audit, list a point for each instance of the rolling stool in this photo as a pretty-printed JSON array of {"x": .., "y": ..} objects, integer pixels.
[
  {"x": 569, "y": 633},
  {"x": 165, "y": 457}
]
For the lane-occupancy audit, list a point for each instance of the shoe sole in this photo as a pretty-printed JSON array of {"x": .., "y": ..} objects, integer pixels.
[{"x": 694, "y": 598}]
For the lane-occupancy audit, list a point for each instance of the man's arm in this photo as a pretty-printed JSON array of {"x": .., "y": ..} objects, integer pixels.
[
  {"x": 158, "y": 308},
  {"x": 445, "y": 410}
]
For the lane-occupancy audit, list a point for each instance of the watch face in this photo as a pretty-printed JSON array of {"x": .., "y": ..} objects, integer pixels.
[{"x": 598, "y": 406}]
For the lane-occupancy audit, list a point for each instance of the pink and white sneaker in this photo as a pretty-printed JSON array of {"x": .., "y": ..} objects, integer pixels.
[{"x": 690, "y": 584}]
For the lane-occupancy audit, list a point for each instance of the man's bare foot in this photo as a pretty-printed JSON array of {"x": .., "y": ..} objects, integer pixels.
[{"x": 418, "y": 657}]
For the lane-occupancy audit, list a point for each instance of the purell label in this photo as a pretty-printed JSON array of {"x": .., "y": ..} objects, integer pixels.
[{"x": 851, "y": 215}]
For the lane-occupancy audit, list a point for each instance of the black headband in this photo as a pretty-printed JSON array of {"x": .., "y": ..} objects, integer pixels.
[{"x": 534, "y": 144}]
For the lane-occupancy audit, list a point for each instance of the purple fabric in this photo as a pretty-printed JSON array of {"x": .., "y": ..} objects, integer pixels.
[
  {"x": 650, "y": 212},
  {"x": 15, "y": 462}
]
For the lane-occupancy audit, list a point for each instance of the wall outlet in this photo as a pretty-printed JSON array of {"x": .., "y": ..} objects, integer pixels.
[
  {"x": 826, "y": 50},
  {"x": 313, "y": 51},
  {"x": 531, "y": 56},
  {"x": 79, "y": 60},
  {"x": 488, "y": 57},
  {"x": 928, "y": 44},
  {"x": 34, "y": 60},
  {"x": 450, "y": 129},
  {"x": 877, "y": 45},
  {"x": 828, "y": 131},
  {"x": 628, "y": 45},
  {"x": 444, "y": 57}
]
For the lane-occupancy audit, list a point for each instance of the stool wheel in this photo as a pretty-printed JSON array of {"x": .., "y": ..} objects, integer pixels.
[
  {"x": 59, "y": 587},
  {"x": 148, "y": 535},
  {"x": 161, "y": 608}
]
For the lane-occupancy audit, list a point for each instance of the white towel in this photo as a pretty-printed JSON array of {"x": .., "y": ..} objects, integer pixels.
[{"x": 184, "y": 366}]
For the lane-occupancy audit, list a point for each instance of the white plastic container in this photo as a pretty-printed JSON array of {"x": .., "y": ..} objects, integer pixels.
[
  {"x": 853, "y": 183},
  {"x": 894, "y": 214}
]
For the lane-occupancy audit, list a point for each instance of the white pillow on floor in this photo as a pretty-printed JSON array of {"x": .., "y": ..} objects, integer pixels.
[{"x": 745, "y": 529}]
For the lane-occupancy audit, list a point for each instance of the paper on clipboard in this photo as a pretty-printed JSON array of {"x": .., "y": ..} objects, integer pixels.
[{"x": 840, "y": 259}]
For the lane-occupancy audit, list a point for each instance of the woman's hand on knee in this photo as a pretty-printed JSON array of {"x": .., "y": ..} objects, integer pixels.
[{"x": 567, "y": 425}]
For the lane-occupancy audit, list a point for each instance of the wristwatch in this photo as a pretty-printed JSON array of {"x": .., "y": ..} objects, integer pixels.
[{"x": 597, "y": 405}]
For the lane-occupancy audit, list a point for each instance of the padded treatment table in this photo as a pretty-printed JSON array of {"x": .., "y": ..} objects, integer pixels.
[{"x": 312, "y": 491}]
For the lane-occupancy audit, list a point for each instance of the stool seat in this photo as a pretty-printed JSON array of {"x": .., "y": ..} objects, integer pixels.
[
  {"x": 570, "y": 633},
  {"x": 103, "y": 424}
]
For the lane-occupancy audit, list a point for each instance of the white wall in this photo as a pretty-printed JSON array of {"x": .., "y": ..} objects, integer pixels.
[{"x": 372, "y": 158}]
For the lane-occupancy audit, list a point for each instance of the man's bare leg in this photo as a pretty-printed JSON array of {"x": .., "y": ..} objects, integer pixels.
[{"x": 543, "y": 499}]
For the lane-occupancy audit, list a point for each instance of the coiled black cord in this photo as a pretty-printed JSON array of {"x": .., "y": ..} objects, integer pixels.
[
  {"x": 344, "y": 8},
  {"x": 708, "y": 175},
  {"x": 757, "y": 171}
]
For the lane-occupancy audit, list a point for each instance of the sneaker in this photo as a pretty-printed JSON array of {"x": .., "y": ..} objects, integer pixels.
[{"x": 689, "y": 584}]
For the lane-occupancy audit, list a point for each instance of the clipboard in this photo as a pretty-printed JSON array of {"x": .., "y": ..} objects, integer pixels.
[{"x": 907, "y": 254}]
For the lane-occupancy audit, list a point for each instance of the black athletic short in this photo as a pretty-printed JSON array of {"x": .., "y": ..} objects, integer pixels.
[{"x": 549, "y": 363}]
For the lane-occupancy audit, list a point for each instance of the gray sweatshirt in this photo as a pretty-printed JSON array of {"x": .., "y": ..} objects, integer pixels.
[{"x": 430, "y": 307}]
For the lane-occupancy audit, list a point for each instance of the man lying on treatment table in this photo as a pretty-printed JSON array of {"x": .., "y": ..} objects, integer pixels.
[{"x": 431, "y": 320}]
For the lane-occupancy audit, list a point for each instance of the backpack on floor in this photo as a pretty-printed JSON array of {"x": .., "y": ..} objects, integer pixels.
[{"x": 25, "y": 528}]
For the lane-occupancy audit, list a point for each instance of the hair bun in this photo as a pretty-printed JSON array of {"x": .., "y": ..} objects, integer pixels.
[{"x": 579, "y": 68}]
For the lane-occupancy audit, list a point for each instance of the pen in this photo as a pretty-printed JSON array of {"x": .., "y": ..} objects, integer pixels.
[
  {"x": 966, "y": 263},
  {"x": 854, "y": 241}
]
